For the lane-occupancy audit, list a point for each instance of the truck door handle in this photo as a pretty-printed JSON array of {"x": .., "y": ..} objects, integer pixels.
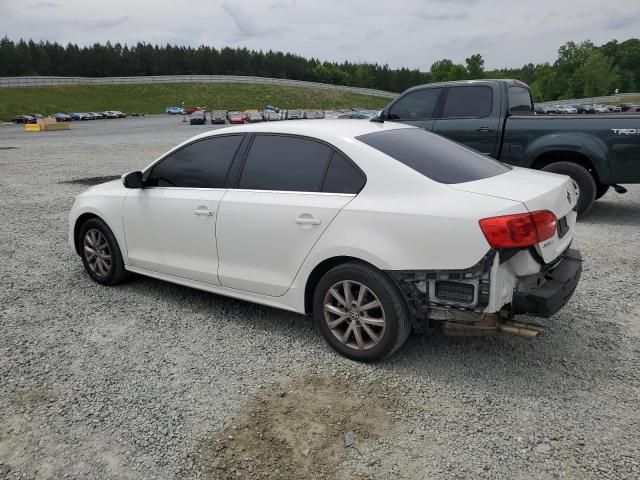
[
  {"x": 306, "y": 219},
  {"x": 204, "y": 212},
  {"x": 485, "y": 129}
]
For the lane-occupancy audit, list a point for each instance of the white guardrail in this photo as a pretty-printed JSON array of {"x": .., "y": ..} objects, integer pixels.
[
  {"x": 619, "y": 98},
  {"x": 36, "y": 81}
]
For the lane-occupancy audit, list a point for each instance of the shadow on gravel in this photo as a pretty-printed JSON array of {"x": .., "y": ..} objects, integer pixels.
[
  {"x": 613, "y": 213},
  {"x": 91, "y": 180}
]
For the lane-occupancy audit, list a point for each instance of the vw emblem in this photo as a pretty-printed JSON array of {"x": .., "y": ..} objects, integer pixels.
[{"x": 568, "y": 197}]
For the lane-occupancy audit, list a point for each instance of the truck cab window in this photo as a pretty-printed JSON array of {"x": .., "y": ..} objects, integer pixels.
[
  {"x": 418, "y": 105},
  {"x": 468, "y": 102}
]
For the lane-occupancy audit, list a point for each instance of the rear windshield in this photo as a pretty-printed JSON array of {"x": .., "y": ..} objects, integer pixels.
[{"x": 434, "y": 157}]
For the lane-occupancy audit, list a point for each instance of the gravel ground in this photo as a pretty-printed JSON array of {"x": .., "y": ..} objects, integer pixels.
[{"x": 151, "y": 380}]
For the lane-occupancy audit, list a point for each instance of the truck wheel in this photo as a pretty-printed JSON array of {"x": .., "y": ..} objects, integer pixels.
[
  {"x": 360, "y": 312},
  {"x": 601, "y": 190},
  {"x": 583, "y": 178}
]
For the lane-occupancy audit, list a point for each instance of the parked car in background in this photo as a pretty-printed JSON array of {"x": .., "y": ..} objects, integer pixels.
[
  {"x": 294, "y": 114},
  {"x": 24, "y": 119},
  {"x": 79, "y": 116},
  {"x": 199, "y": 117},
  {"x": 634, "y": 109},
  {"x": 313, "y": 114},
  {"x": 110, "y": 115},
  {"x": 493, "y": 117},
  {"x": 235, "y": 117},
  {"x": 217, "y": 117},
  {"x": 97, "y": 115},
  {"x": 539, "y": 110},
  {"x": 600, "y": 109},
  {"x": 119, "y": 113},
  {"x": 271, "y": 116},
  {"x": 357, "y": 115},
  {"x": 190, "y": 110},
  {"x": 466, "y": 243},
  {"x": 61, "y": 117},
  {"x": 254, "y": 117},
  {"x": 174, "y": 111},
  {"x": 626, "y": 106}
]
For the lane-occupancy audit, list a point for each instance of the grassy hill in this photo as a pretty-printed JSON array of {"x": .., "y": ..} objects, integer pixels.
[{"x": 151, "y": 99}]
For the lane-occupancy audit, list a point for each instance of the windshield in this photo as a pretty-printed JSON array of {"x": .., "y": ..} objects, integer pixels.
[{"x": 433, "y": 156}]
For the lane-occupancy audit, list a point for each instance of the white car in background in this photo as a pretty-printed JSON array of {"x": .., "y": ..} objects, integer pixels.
[{"x": 376, "y": 229}]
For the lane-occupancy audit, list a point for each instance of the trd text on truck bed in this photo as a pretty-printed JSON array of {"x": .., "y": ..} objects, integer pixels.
[{"x": 495, "y": 117}]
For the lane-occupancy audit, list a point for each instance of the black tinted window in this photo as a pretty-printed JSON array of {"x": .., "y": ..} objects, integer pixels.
[
  {"x": 468, "y": 102},
  {"x": 203, "y": 164},
  {"x": 519, "y": 100},
  {"x": 277, "y": 162},
  {"x": 433, "y": 156},
  {"x": 417, "y": 105},
  {"x": 342, "y": 176}
]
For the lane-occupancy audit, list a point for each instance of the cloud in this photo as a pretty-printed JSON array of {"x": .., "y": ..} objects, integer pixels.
[
  {"x": 459, "y": 2},
  {"x": 45, "y": 5},
  {"x": 245, "y": 24},
  {"x": 442, "y": 16},
  {"x": 278, "y": 6}
]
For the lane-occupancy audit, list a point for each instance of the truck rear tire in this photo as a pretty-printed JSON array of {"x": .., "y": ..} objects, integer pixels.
[{"x": 583, "y": 178}]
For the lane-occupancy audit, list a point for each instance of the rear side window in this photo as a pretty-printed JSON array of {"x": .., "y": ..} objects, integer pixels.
[
  {"x": 202, "y": 164},
  {"x": 418, "y": 105},
  {"x": 433, "y": 156},
  {"x": 519, "y": 100},
  {"x": 342, "y": 176},
  {"x": 468, "y": 101},
  {"x": 277, "y": 162}
]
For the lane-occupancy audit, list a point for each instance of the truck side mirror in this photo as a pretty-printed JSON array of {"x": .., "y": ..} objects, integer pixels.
[{"x": 133, "y": 180}]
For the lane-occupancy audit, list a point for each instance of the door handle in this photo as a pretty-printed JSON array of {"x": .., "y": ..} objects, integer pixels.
[
  {"x": 485, "y": 129},
  {"x": 203, "y": 212},
  {"x": 306, "y": 219}
]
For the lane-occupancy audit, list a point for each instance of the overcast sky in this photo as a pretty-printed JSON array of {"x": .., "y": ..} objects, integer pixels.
[{"x": 411, "y": 33}]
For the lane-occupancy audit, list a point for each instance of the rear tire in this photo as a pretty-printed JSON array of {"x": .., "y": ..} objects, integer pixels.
[
  {"x": 100, "y": 253},
  {"x": 583, "y": 178},
  {"x": 601, "y": 190},
  {"x": 360, "y": 312}
]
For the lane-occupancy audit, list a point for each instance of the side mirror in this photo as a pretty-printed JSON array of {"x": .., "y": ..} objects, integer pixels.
[
  {"x": 379, "y": 117},
  {"x": 132, "y": 180}
]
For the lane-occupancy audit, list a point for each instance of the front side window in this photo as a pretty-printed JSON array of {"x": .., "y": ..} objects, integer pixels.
[
  {"x": 278, "y": 162},
  {"x": 433, "y": 156},
  {"x": 468, "y": 101},
  {"x": 202, "y": 164},
  {"x": 417, "y": 105}
]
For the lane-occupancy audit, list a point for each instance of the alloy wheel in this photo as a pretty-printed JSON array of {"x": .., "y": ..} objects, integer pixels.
[
  {"x": 354, "y": 315},
  {"x": 97, "y": 252}
]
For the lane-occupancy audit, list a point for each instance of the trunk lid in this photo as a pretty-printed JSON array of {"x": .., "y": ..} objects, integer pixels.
[{"x": 537, "y": 191}]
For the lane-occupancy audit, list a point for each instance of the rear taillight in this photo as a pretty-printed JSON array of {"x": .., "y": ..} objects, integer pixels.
[{"x": 520, "y": 230}]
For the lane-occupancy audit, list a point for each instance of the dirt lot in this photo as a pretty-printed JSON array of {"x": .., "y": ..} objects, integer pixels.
[{"x": 149, "y": 380}]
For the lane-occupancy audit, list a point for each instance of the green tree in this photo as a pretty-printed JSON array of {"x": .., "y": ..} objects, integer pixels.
[
  {"x": 475, "y": 66},
  {"x": 598, "y": 74}
]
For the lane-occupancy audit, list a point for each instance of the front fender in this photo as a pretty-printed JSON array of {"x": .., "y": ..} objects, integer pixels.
[{"x": 589, "y": 146}]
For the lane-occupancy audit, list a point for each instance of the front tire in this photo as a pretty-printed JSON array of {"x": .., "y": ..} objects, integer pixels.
[
  {"x": 360, "y": 312},
  {"x": 583, "y": 178},
  {"x": 100, "y": 253}
]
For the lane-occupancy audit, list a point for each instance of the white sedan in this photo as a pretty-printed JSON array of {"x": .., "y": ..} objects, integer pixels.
[{"x": 375, "y": 229}]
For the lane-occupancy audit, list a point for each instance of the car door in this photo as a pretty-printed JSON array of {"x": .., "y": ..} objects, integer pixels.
[
  {"x": 289, "y": 190},
  {"x": 471, "y": 116},
  {"x": 170, "y": 224},
  {"x": 417, "y": 108}
]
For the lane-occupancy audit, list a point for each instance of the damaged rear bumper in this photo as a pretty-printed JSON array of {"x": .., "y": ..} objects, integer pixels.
[
  {"x": 545, "y": 294},
  {"x": 499, "y": 287}
]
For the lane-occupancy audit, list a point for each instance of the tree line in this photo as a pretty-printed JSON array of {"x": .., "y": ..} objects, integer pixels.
[{"x": 581, "y": 69}]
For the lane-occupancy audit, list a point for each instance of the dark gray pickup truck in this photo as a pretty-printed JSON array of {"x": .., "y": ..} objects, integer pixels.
[{"x": 496, "y": 118}]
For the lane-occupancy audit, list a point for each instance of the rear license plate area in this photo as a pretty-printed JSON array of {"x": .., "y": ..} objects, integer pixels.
[{"x": 563, "y": 227}]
